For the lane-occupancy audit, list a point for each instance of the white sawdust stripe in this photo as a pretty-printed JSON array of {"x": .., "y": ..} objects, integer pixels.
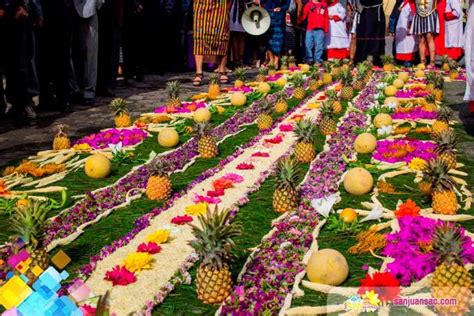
[{"x": 131, "y": 298}]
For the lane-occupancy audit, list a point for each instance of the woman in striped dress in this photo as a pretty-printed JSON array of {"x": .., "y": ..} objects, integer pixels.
[
  {"x": 211, "y": 35},
  {"x": 276, "y": 34},
  {"x": 426, "y": 25}
]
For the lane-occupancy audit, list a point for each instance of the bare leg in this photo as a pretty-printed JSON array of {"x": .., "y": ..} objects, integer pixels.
[
  {"x": 270, "y": 57},
  {"x": 222, "y": 70},
  {"x": 422, "y": 46},
  {"x": 276, "y": 60},
  {"x": 240, "y": 48},
  {"x": 431, "y": 48},
  {"x": 198, "y": 78},
  {"x": 353, "y": 47}
]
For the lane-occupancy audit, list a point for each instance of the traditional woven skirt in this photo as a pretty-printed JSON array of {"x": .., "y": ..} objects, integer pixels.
[
  {"x": 276, "y": 33},
  {"x": 425, "y": 24},
  {"x": 211, "y": 28}
]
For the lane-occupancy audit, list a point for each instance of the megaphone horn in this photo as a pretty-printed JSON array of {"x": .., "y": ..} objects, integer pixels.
[{"x": 256, "y": 20}]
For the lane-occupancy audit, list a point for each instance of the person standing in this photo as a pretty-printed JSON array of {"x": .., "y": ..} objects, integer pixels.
[
  {"x": 353, "y": 8},
  {"x": 370, "y": 31},
  {"x": 469, "y": 53},
  {"x": 137, "y": 14},
  {"x": 454, "y": 37},
  {"x": 406, "y": 44},
  {"x": 276, "y": 34},
  {"x": 426, "y": 25},
  {"x": 316, "y": 14},
  {"x": 211, "y": 36},
  {"x": 3, "y": 105},
  {"x": 337, "y": 40},
  {"x": 237, "y": 32}
]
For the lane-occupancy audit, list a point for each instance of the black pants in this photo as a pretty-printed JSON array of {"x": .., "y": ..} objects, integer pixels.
[
  {"x": 370, "y": 34},
  {"x": 135, "y": 51}
]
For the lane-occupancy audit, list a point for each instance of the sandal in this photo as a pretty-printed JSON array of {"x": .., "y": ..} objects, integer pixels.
[
  {"x": 197, "y": 81},
  {"x": 223, "y": 79}
]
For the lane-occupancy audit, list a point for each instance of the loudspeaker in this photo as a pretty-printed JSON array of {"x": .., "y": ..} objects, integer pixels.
[{"x": 256, "y": 20}]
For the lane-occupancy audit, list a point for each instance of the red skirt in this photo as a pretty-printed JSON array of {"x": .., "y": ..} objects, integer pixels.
[
  {"x": 406, "y": 56},
  {"x": 338, "y": 53}
]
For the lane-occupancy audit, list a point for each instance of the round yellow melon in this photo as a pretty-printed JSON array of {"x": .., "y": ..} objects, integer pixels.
[
  {"x": 263, "y": 87},
  {"x": 327, "y": 266},
  {"x": 305, "y": 67},
  {"x": 281, "y": 81},
  {"x": 393, "y": 100},
  {"x": 419, "y": 73},
  {"x": 168, "y": 137},
  {"x": 238, "y": 99},
  {"x": 365, "y": 143},
  {"x": 421, "y": 66},
  {"x": 382, "y": 119},
  {"x": 390, "y": 90},
  {"x": 202, "y": 115},
  {"x": 398, "y": 83},
  {"x": 326, "y": 78},
  {"x": 97, "y": 166},
  {"x": 358, "y": 181},
  {"x": 404, "y": 75}
]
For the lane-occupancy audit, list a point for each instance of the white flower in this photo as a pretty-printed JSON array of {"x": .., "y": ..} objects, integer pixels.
[
  {"x": 285, "y": 244},
  {"x": 384, "y": 130},
  {"x": 376, "y": 96},
  {"x": 381, "y": 85},
  {"x": 375, "y": 213},
  {"x": 116, "y": 148},
  {"x": 391, "y": 105},
  {"x": 324, "y": 206}
]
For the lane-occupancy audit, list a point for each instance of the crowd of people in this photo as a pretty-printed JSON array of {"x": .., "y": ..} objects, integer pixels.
[{"x": 69, "y": 51}]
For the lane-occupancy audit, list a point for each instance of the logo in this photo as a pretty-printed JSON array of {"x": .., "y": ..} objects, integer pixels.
[{"x": 367, "y": 302}]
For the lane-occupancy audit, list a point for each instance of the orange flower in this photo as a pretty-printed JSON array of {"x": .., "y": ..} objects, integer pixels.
[
  {"x": 409, "y": 208},
  {"x": 222, "y": 184},
  {"x": 3, "y": 188}
]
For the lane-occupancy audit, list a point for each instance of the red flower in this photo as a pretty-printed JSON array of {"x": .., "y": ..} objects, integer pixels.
[
  {"x": 150, "y": 247},
  {"x": 260, "y": 154},
  {"x": 88, "y": 310},
  {"x": 245, "y": 166},
  {"x": 382, "y": 283},
  {"x": 222, "y": 184},
  {"x": 215, "y": 193},
  {"x": 409, "y": 208},
  {"x": 120, "y": 276},
  {"x": 286, "y": 128},
  {"x": 181, "y": 220},
  {"x": 275, "y": 140}
]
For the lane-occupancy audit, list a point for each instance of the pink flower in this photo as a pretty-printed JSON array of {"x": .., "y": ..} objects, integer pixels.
[
  {"x": 150, "y": 247},
  {"x": 275, "y": 140},
  {"x": 206, "y": 199},
  {"x": 236, "y": 178},
  {"x": 181, "y": 220},
  {"x": 245, "y": 166},
  {"x": 260, "y": 154},
  {"x": 286, "y": 128},
  {"x": 215, "y": 193},
  {"x": 120, "y": 276}
]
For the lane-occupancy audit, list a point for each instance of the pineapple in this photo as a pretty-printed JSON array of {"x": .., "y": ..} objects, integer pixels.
[
  {"x": 362, "y": 71},
  {"x": 327, "y": 77},
  {"x": 328, "y": 124},
  {"x": 271, "y": 70},
  {"x": 347, "y": 91},
  {"x": 284, "y": 63},
  {"x": 441, "y": 185},
  {"x": 314, "y": 81},
  {"x": 430, "y": 104},
  {"x": 281, "y": 106},
  {"x": 29, "y": 222},
  {"x": 214, "y": 89},
  {"x": 265, "y": 120},
  {"x": 240, "y": 76},
  {"x": 262, "y": 74},
  {"x": 291, "y": 61},
  {"x": 173, "y": 88},
  {"x": 438, "y": 84},
  {"x": 450, "y": 279},
  {"x": 446, "y": 148},
  {"x": 441, "y": 123},
  {"x": 298, "y": 82},
  {"x": 454, "y": 69},
  {"x": 158, "y": 186},
  {"x": 336, "y": 67},
  {"x": 304, "y": 131},
  {"x": 213, "y": 243},
  {"x": 387, "y": 62},
  {"x": 61, "y": 140},
  {"x": 445, "y": 63},
  {"x": 119, "y": 109},
  {"x": 207, "y": 146},
  {"x": 333, "y": 99},
  {"x": 285, "y": 196}
]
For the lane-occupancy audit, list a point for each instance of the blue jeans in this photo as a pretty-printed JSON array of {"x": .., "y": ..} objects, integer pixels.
[{"x": 314, "y": 39}]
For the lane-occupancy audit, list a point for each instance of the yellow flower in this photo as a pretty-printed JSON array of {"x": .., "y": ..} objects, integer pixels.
[
  {"x": 159, "y": 237},
  {"x": 138, "y": 261},
  {"x": 417, "y": 164},
  {"x": 196, "y": 209},
  {"x": 372, "y": 297},
  {"x": 82, "y": 146}
]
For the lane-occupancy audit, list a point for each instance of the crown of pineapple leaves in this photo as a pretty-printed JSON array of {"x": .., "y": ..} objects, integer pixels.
[
  {"x": 202, "y": 129},
  {"x": 282, "y": 96},
  {"x": 337, "y": 63},
  {"x": 287, "y": 174},
  {"x": 387, "y": 59},
  {"x": 346, "y": 77},
  {"x": 445, "y": 114},
  {"x": 305, "y": 131},
  {"x": 436, "y": 79},
  {"x": 446, "y": 140},
  {"x": 118, "y": 106},
  {"x": 327, "y": 67},
  {"x": 214, "y": 238},
  {"x": 453, "y": 65},
  {"x": 266, "y": 106},
  {"x": 271, "y": 67},
  {"x": 327, "y": 110},
  {"x": 213, "y": 79},
  {"x": 263, "y": 71},
  {"x": 284, "y": 60},
  {"x": 173, "y": 88},
  {"x": 158, "y": 167},
  {"x": 291, "y": 59},
  {"x": 29, "y": 222},
  {"x": 447, "y": 243},
  {"x": 240, "y": 73},
  {"x": 297, "y": 80},
  {"x": 362, "y": 69},
  {"x": 61, "y": 129},
  {"x": 445, "y": 59},
  {"x": 314, "y": 72},
  {"x": 430, "y": 98},
  {"x": 331, "y": 94},
  {"x": 436, "y": 172}
]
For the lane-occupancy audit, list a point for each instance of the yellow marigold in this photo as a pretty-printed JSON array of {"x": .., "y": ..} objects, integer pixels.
[
  {"x": 82, "y": 146},
  {"x": 9, "y": 170},
  {"x": 417, "y": 164},
  {"x": 196, "y": 209},
  {"x": 138, "y": 261},
  {"x": 159, "y": 237}
]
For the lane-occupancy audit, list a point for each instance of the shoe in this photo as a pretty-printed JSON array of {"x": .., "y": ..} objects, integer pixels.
[{"x": 30, "y": 112}]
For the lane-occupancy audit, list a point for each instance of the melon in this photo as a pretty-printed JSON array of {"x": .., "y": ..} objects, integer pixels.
[
  {"x": 202, "y": 115},
  {"x": 404, "y": 75},
  {"x": 97, "y": 166},
  {"x": 398, "y": 83},
  {"x": 393, "y": 100},
  {"x": 358, "y": 181},
  {"x": 421, "y": 66},
  {"x": 305, "y": 67},
  {"x": 326, "y": 78},
  {"x": 327, "y": 266},
  {"x": 238, "y": 99},
  {"x": 382, "y": 119},
  {"x": 263, "y": 87},
  {"x": 365, "y": 143},
  {"x": 419, "y": 73},
  {"x": 281, "y": 81},
  {"x": 168, "y": 137},
  {"x": 390, "y": 90}
]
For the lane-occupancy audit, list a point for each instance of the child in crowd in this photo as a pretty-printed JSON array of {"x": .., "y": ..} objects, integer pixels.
[
  {"x": 454, "y": 34},
  {"x": 316, "y": 14},
  {"x": 337, "y": 41},
  {"x": 406, "y": 43}
]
